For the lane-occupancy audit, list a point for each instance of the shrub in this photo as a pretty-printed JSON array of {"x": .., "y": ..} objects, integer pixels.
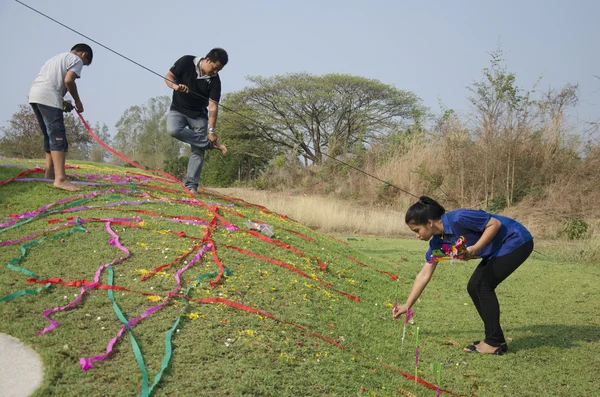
[{"x": 576, "y": 228}]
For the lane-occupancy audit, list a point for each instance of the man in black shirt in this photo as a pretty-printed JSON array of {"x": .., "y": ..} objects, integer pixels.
[{"x": 196, "y": 84}]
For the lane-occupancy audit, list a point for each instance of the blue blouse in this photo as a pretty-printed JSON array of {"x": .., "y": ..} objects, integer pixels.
[{"x": 471, "y": 224}]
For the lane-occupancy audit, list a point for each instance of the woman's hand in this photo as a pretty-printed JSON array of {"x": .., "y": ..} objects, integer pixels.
[
  {"x": 398, "y": 310},
  {"x": 472, "y": 252}
]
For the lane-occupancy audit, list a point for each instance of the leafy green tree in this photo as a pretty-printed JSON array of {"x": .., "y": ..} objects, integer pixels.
[
  {"x": 317, "y": 115},
  {"x": 23, "y": 138},
  {"x": 142, "y": 134},
  {"x": 98, "y": 153}
]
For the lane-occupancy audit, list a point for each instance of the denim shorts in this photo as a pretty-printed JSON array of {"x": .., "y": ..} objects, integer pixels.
[{"x": 52, "y": 124}]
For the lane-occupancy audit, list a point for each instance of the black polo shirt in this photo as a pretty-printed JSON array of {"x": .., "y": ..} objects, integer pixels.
[{"x": 187, "y": 73}]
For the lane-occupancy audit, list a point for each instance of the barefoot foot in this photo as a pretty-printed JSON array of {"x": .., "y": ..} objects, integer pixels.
[{"x": 66, "y": 185}]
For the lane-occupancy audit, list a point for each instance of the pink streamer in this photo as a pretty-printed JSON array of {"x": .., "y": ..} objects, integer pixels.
[
  {"x": 113, "y": 241},
  {"x": 87, "y": 362},
  {"x": 408, "y": 316},
  {"x": 417, "y": 356}
]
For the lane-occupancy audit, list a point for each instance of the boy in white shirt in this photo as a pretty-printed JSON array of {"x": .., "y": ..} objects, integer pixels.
[{"x": 56, "y": 77}]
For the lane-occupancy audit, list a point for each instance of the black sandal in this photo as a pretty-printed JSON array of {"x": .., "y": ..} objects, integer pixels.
[
  {"x": 499, "y": 350},
  {"x": 503, "y": 346}
]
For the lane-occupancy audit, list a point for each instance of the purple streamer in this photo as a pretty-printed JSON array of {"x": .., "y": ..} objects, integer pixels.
[
  {"x": 87, "y": 362},
  {"x": 113, "y": 241}
]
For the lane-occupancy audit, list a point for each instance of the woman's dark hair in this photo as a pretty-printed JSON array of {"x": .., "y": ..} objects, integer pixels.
[
  {"x": 84, "y": 48},
  {"x": 218, "y": 55},
  {"x": 424, "y": 210}
]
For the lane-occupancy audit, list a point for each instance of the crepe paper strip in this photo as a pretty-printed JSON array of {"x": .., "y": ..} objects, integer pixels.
[
  {"x": 436, "y": 369},
  {"x": 24, "y": 292},
  {"x": 274, "y": 242},
  {"x": 34, "y": 235},
  {"x": 12, "y": 265},
  {"x": 250, "y": 309},
  {"x": 169, "y": 333},
  {"x": 134, "y": 345},
  {"x": 31, "y": 171},
  {"x": 13, "y": 165},
  {"x": 162, "y": 189},
  {"x": 232, "y": 212},
  {"x": 166, "y": 265},
  {"x": 52, "y": 180},
  {"x": 425, "y": 383},
  {"x": 219, "y": 263},
  {"x": 406, "y": 392},
  {"x": 113, "y": 241},
  {"x": 154, "y": 178},
  {"x": 407, "y": 317},
  {"x": 290, "y": 267},
  {"x": 322, "y": 265},
  {"x": 416, "y": 357},
  {"x": 416, "y": 352},
  {"x": 87, "y": 362},
  {"x": 304, "y": 236},
  {"x": 339, "y": 241},
  {"x": 457, "y": 251},
  {"x": 83, "y": 282},
  {"x": 392, "y": 276}
]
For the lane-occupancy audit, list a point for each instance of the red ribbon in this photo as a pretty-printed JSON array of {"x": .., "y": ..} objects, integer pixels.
[
  {"x": 274, "y": 242},
  {"x": 86, "y": 283},
  {"x": 292, "y": 268},
  {"x": 31, "y": 171},
  {"x": 393, "y": 276},
  {"x": 304, "y": 236}
]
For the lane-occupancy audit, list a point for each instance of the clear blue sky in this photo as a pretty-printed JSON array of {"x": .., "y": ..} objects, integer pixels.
[{"x": 432, "y": 48}]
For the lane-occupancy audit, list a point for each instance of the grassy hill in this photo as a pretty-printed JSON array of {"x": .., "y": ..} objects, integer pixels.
[{"x": 217, "y": 308}]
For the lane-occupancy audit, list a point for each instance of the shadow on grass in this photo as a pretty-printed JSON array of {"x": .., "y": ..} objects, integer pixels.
[{"x": 555, "y": 335}]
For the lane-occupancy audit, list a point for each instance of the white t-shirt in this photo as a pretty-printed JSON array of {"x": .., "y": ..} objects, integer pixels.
[{"x": 49, "y": 87}]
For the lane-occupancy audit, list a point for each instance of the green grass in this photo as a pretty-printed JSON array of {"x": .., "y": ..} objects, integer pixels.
[{"x": 549, "y": 310}]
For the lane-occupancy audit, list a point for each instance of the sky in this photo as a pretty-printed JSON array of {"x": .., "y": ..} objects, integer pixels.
[{"x": 435, "y": 49}]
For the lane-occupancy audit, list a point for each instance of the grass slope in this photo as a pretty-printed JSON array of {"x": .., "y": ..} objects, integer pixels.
[{"x": 308, "y": 338}]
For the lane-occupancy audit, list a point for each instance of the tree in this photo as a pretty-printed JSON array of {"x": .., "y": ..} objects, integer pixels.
[
  {"x": 98, "y": 153},
  {"x": 142, "y": 134},
  {"x": 321, "y": 115},
  {"x": 23, "y": 138}
]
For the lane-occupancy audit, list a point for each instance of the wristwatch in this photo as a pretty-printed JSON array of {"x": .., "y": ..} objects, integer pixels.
[{"x": 212, "y": 130}]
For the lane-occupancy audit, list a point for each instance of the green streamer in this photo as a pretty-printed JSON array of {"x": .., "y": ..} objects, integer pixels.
[
  {"x": 136, "y": 348},
  {"x": 24, "y": 292}
]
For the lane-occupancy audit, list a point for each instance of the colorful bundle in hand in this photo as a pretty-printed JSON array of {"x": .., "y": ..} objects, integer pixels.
[{"x": 457, "y": 251}]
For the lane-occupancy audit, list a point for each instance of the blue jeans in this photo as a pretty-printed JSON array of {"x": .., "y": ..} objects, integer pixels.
[
  {"x": 52, "y": 124},
  {"x": 193, "y": 132}
]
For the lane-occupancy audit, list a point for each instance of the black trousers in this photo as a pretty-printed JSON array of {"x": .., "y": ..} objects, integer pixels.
[{"x": 482, "y": 285}]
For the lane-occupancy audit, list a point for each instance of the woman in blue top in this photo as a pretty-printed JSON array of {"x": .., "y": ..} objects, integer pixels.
[{"x": 502, "y": 243}]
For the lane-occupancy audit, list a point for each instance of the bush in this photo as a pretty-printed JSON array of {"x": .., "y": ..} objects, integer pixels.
[
  {"x": 576, "y": 228},
  {"x": 496, "y": 204},
  {"x": 177, "y": 167}
]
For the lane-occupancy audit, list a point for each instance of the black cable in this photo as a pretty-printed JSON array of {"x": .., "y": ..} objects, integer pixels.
[{"x": 261, "y": 125}]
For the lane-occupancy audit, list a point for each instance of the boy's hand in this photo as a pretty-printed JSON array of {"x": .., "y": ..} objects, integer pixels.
[
  {"x": 79, "y": 106},
  {"x": 212, "y": 137},
  {"x": 67, "y": 106}
]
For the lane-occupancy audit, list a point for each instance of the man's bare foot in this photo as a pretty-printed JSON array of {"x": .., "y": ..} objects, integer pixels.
[
  {"x": 49, "y": 173},
  {"x": 66, "y": 185},
  {"x": 222, "y": 148}
]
